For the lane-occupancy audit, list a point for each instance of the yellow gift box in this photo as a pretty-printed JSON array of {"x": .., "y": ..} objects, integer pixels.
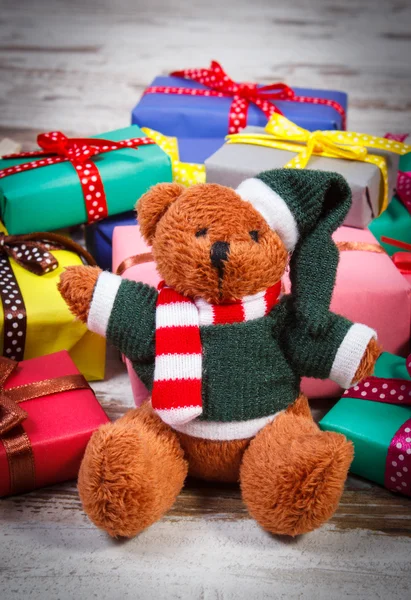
[{"x": 50, "y": 326}]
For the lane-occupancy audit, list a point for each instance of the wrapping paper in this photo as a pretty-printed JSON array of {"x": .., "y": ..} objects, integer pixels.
[
  {"x": 208, "y": 117},
  {"x": 233, "y": 163},
  {"x": 99, "y": 237},
  {"x": 58, "y": 426},
  {"x": 372, "y": 426},
  {"x": 128, "y": 241},
  {"x": 51, "y": 327},
  {"x": 51, "y": 197}
]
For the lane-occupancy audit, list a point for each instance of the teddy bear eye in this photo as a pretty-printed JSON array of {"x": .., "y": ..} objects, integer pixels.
[
  {"x": 254, "y": 235},
  {"x": 201, "y": 232}
]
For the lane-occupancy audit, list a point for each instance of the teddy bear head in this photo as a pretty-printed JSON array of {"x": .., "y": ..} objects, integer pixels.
[{"x": 210, "y": 243}]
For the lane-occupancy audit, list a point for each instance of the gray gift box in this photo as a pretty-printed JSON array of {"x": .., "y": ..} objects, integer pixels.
[{"x": 233, "y": 163}]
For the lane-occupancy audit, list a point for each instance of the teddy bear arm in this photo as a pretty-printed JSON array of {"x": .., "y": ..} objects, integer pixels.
[
  {"x": 367, "y": 364},
  {"x": 123, "y": 311},
  {"x": 76, "y": 286},
  {"x": 342, "y": 352}
]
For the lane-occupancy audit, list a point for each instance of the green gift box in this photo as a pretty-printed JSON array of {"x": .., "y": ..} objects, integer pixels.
[
  {"x": 51, "y": 196},
  {"x": 395, "y": 222},
  {"x": 379, "y": 430}
]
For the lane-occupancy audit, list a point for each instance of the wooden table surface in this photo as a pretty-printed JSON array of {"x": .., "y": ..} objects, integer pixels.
[{"x": 79, "y": 66}]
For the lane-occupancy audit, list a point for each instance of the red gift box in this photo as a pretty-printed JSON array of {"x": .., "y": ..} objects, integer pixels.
[{"x": 55, "y": 428}]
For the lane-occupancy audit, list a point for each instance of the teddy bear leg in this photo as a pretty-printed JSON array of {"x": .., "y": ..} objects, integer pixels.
[
  {"x": 292, "y": 474},
  {"x": 131, "y": 473}
]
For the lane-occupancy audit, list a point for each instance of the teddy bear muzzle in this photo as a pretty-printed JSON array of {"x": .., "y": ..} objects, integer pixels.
[{"x": 219, "y": 255}]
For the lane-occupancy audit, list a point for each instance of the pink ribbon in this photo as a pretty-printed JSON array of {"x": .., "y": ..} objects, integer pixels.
[{"x": 397, "y": 477}]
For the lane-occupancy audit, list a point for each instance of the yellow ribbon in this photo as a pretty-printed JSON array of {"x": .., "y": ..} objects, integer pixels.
[
  {"x": 184, "y": 173},
  {"x": 283, "y": 134}
]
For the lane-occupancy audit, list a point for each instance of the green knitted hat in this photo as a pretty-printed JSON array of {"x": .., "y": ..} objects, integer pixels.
[{"x": 304, "y": 207}]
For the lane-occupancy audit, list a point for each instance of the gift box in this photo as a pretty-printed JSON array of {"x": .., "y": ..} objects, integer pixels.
[
  {"x": 99, "y": 237},
  {"x": 395, "y": 222},
  {"x": 207, "y": 104},
  {"x": 376, "y": 416},
  {"x": 133, "y": 260},
  {"x": 47, "y": 415},
  {"x": 34, "y": 318},
  {"x": 73, "y": 181},
  {"x": 371, "y": 176},
  {"x": 369, "y": 289}
]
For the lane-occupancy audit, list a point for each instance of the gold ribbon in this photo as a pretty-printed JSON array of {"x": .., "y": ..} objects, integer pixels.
[
  {"x": 282, "y": 134},
  {"x": 360, "y": 246},
  {"x": 184, "y": 173},
  {"x": 132, "y": 261},
  {"x": 15, "y": 440}
]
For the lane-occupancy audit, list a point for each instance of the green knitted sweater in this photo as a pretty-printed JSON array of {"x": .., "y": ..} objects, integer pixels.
[{"x": 250, "y": 370}]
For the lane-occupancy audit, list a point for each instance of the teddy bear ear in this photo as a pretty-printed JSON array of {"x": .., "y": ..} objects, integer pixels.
[{"x": 154, "y": 204}]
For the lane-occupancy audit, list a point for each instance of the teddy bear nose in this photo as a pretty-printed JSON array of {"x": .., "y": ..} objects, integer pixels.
[{"x": 219, "y": 253}]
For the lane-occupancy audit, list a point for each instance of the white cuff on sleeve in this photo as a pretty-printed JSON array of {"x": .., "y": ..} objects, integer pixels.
[
  {"x": 102, "y": 302},
  {"x": 350, "y": 353}
]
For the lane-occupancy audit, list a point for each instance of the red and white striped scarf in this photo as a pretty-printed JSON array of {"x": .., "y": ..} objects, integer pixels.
[{"x": 176, "y": 393}]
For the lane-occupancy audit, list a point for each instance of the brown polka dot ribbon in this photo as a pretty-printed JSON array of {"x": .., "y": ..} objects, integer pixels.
[
  {"x": 33, "y": 253},
  {"x": 220, "y": 85},
  {"x": 15, "y": 440},
  {"x": 57, "y": 148}
]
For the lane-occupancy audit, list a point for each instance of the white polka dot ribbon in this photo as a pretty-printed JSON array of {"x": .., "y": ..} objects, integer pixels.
[
  {"x": 220, "y": 85},
  {"x": 33, "y": 253},
  {"x": 185, "y": 173},
  {"x": 282, "y": 134},
  {"x": 79, "y": 152},
  {"x": 392, "y": 391}
]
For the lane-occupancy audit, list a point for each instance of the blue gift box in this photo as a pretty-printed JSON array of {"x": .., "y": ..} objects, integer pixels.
[
  {"x": 99, "y": 237},
  {"x": 206, "y": 117}
]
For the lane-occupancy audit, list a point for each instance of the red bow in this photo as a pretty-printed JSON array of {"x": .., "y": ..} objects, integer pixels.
[
  {"x": 220, "y": 85},
  {"x": 78, "y": 151},
  {"x": 402, "y": 260}
]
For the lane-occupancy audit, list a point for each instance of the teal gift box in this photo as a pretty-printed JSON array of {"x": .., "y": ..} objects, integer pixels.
[
  {"x": 379, "y": 429},
  {"x": 395, "y": 221},
  {"x": 52, "y": 197}
]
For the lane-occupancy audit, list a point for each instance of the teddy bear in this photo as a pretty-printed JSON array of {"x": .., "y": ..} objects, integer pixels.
[{"x": 223, "y": 351}]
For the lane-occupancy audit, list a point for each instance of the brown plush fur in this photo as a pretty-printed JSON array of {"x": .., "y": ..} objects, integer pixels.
[
  {"x": 76, "y": 285},
  {"x": 183, "y": 260},
  {"x": 366, "y": 366},
  {"x": 291, "y": 474},
  {"x": 131, "y": 473},
  {"x": 212, "y": 460}
]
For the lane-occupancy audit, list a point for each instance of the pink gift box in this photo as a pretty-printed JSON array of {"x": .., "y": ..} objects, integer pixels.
[
  {"x": 127, "y": 242},
  {"x": 369, "y": 289}
]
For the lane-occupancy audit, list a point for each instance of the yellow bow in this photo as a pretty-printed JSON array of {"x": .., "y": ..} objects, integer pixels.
[
  {"x": 283, "y": 134},
  {"x": 184, "y": 173}
]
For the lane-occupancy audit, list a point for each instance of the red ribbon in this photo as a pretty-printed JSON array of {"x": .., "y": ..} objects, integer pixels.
[
  {"x": 57, "y": 148},
  {"x": 220, "y": 85},
  {"x": 402, "y": 260}
]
